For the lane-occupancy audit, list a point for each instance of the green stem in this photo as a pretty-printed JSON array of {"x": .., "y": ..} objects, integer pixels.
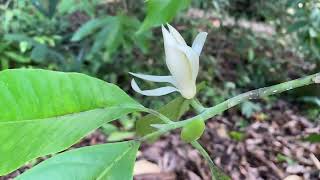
[
  {"x": 197, "y": 105},
  {"x": 164, "y": 118},
  {"x": 254, "y": 94},
  {"x": 215, "y": 171}
]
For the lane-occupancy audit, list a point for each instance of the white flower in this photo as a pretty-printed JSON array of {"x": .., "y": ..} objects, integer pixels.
[{"x": 182, "y": 62}]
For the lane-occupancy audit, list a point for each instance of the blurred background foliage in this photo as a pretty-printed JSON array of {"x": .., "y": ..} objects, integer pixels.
[{"x": 251, "y": 43}]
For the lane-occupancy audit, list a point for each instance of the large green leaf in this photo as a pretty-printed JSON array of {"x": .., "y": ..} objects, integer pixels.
[
  {"x": 112, "y": 161},
  {"x": 162, "y": 11},
  {"x": 44, "y": 112}
]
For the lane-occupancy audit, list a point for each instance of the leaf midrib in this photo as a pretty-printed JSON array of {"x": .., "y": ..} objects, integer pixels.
[
  {"x": 123, "y": 106},
  {"x": 109, "y": 167}
]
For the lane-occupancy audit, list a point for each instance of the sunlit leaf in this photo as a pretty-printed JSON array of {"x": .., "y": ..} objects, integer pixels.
[
  {"x": 162, "y": 11},
  {"x": 106, "y": 161},
  {"x": 44, "y": 112}
]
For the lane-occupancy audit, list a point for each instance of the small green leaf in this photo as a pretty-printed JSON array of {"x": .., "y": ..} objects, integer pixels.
[
  {"x": 44, "y": 112},
  {"x": 237, "y": 135},
  {"x": 39, "y": 53},
  {"x": 120, "y": 135},
  {"x": 106, "y": 161},
  {"x": 173, "y": 110},
  {"x": 20, "y": 38},
  {"x": 108, "y": 128},
  {"x": 248, "y": 108},
  {"x": 313, "y": 138},
  {"x": 283, "y": 158},
  {"x": 251, "y": 55},
  {"x": 311, "y": 100},
  {"x": 297, "y": 26},
  {"x": 88, "y": 28},
  {"x": 47, "y": 8},
  {"x": 110, "y": 36},
  {"x": 162, "y": 11},
  {"x": 16, "y": 57}
]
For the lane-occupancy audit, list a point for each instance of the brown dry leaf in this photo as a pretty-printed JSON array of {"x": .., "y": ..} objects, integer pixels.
[
  {"x": 159, "y": 176},
  {"x": 222, "y": 131},
  {"x": 293, "y": 177},
  {"x": 145, "y": 167}
]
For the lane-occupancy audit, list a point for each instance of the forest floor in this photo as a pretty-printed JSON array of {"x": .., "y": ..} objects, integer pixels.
[{"x": 266, "y": 148}]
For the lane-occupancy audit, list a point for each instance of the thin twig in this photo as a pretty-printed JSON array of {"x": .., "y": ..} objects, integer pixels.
[
  {"x": 315, "y": 160},
  {"x": 215, "y": 171}
]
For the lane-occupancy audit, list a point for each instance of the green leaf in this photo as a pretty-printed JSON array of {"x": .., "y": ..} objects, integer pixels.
[
  {"x": 120, "y": 135},
  {"x": 47, "y": 8},
  {"x": 313, "y": 138},
  {"x": 248, "y": 108},
  {"x": 20, "y": 38},
  {"x": 108, "y": 128},
  {"x": 110, "y": 36},
  {"x": 162, "y": 11},
  {"x": 16, "y": 57},
  {"x": 106, "y": 161},
  {"x": 297, "y": 26},
  {"x": 283, "y": 158},
  {"x": 237, "y": 135},
  {"x": 4, "y": 64},
  {"x": 89, "y": 28},
  {"x": 71, "y": 6},
  {"x": 173, "y": 110},
  {"x": 44, "y": 112},
  {"x": 39, "y": 53},
  {"x": 251, "y": 55},
  {"x": 311, "y": 100}
]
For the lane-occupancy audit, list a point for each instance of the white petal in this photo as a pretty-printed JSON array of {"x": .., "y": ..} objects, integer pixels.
[
  {"x": 193, "y": 59},
  {"x": 167, "y": 37},
  {"x": 152, "y": 78},
  {"x": 176, "y": 60},
  {"x": 176, "y": 35},
  {"x": 198, "y": 42},
  {"x": 154, "y": 92}
]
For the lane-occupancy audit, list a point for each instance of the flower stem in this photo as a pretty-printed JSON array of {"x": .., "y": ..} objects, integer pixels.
[
  {"x": 197, "y": 105},
  {"x": 206, "y": 113},
  {"x": 217, "y": 174},
  {"x": 254, "y": 94},
  {"x": 164, "y": 118}
]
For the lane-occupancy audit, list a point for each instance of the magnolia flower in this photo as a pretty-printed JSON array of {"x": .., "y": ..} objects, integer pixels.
[{"x": 182, "y": 62}]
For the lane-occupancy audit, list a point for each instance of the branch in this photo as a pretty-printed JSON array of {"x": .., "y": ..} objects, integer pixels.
[{"x": 254, "y": 94}]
